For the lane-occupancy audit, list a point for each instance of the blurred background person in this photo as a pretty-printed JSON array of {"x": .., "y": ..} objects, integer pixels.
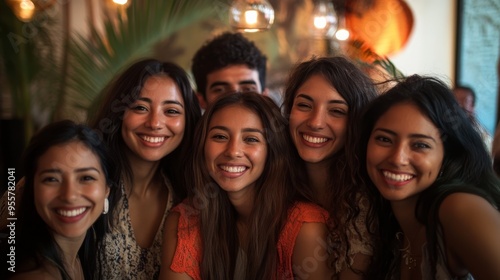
[{"x": 466, "y": 98}]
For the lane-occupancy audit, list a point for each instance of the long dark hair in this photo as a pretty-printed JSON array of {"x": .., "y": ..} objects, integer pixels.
[
  {"x": 358, "y": 90},
  {"x": 466, "y": 166},
  {"x": 276, "y": 190},
  {"x": 34, "y": 240},
  {"x": 124, "y": 91}
]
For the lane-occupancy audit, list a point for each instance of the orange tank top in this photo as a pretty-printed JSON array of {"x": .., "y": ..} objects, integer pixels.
[{"x": 188, "y": 253}]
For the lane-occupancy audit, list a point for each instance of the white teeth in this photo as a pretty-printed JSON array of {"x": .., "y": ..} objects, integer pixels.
[
  {"x": 153, "y": 139},
  {"x": 314, "y": 140},
  {"x": 233, "y": 169},
  {"x": 397, "y": 177},
  {"x": 71, "y": 213}
]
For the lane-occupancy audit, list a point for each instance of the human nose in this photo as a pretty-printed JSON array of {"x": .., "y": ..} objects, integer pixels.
[
  {"x": 69, "y": 190},
  {"x": 232, "y": 89},
  {"x": 317, "y": 119},
  {"x": 399, "y": 155},
  {"x": 233, "y": 149},
  {"x": 155, "y": 120}
]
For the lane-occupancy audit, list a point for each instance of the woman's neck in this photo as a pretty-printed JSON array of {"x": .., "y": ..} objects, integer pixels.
[
  {"x": 145, "y": 176},
  {"x": 317, "y": 174},
  {"x": 412, "y": 240},
  {"x": 243, "y": 204},
  {"x": 69, "y": 249},
  {"x": 404, "y": 211},
  {"x": 243, "y": 221}
]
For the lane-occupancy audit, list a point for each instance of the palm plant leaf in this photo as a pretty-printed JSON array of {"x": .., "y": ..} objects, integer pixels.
[
  {"x": 94, "y": 63},
  {"x": 366, "y": 56}
]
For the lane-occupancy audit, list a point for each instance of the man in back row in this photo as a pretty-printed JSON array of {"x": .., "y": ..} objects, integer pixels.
[
  {"x": 228, "y": 63},
  {"x": 466, "y": 98}
]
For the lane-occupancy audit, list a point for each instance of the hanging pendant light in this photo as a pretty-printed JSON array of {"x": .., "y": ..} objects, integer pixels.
[
  {"x": 324, "y": 19},
  {"x": 251, "y": 15},
  {"x": 23, "y": 9}
]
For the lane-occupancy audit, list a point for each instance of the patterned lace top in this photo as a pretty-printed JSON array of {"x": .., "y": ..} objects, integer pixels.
[
  {"x": 123, "y": 258},
  {"x": 188, "y": 253},
  {"x": 359, "y": 243}
]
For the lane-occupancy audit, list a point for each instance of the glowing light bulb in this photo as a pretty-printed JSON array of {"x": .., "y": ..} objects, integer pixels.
[
  {"x": 120, "y": 2},
  {"x": 23, "y": 9},
  {"x": 320, "y": 22},
  {"x": 342, "y": 34},
  {"x": 324, "y": 21},
  {"x": 251, "y": 16}
]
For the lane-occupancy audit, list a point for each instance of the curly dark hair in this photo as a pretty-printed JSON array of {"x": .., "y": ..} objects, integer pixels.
[
  {"x": 345, "y": 191},
  {"x": 224, "y": 50}
]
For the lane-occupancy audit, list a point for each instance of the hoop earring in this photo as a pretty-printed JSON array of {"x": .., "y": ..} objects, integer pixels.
[{"x": 106, "y": 206}]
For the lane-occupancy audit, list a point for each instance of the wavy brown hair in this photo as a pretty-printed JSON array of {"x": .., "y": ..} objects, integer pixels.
[{"x": 123, "y": 91}]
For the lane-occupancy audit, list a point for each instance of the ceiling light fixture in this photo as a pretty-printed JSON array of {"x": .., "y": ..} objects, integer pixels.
[
  {"x": 324, "y": 19},
  {"x": 23, "y": 9},
  {"x": 251, "y": 15}
]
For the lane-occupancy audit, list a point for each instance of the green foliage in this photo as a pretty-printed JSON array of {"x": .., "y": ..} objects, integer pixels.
[
  {"x": 368, "y": 57},
  {"x": 42, "y": 84},
  {"x": 95, "y": 61}
]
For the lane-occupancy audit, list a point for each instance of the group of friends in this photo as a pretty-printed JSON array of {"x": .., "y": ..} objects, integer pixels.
[{"x": 339, "y": 182}]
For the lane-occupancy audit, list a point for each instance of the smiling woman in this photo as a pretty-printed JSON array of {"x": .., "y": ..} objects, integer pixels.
[
  {"x": 246, "y": 217},
  {"x": 404, "y": 153},
  {"x": 434, "y": 191},
  {"x": 147, "y": 119},
  {"x": 69, "y": 187},
  {"x": 324, "y": 99}
]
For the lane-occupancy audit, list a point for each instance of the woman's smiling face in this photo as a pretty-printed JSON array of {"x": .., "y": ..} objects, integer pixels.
[
  {"x": 153, "y": 126},
  {"x": 235, "y": 149},
  {"x": 70, "y": 188},
  {"x": 404, "y": 152},
  {"x": 318, "y": 120}
]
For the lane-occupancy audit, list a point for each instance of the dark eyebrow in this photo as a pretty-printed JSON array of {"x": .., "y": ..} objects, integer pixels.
[
  {"x": 244, "y": 129},
  {"x": 413, "y": 135},
  {"x": 244, "y": 82},
  {"x": 175, "y": 102},
  {"x": 248, "y": 82},
  {"x": 334, "y": 101},
  {"x": 55, "y": 170},
  {"x": 215, "y": 84}
]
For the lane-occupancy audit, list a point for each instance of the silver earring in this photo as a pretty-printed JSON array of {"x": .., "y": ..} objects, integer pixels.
[{"x": 106, "y": 206}]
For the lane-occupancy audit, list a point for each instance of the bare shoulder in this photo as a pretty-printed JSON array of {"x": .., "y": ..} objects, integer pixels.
[
  {"x": 471, "y": 226},
  {"x": 311, "y": 245},
  {"x": 172, "y": 220},
  {"x": 169, "y": 248},
  {"x": 309, "y": 231},
  {"x": 170, "y": 230},
  {"x": 463, "y": 205}
]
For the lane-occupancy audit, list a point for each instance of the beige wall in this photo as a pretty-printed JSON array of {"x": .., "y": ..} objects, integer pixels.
[{"x": 431, "y": 46}]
